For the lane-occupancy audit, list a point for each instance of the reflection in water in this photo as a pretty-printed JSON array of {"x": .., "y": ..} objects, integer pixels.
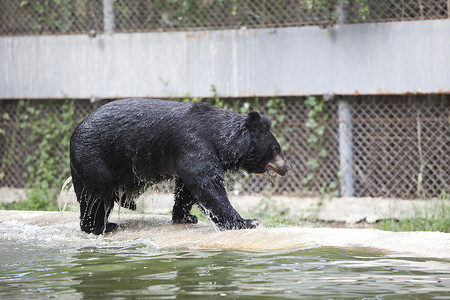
[
  {"x": 157, "y": 274},
  {"x": 52, "y": 261}
]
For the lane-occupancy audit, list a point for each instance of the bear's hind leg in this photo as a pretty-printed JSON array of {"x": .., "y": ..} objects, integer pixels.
[
  {"x": 94, "y": 213},
  {"x": 126, "y": 202},
  {"x": 181, "y": 213}
]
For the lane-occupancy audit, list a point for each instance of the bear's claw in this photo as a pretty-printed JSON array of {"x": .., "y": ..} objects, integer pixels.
[
  {"x": 110, "y": 227},
  {"x": 188, "y": 219},
  {"x": 242, "y": 224}
]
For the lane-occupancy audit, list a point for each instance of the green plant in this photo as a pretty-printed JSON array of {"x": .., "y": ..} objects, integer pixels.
[
  {"x": 331, "y": 9},
  {"x": 434, "y": 217},
  {"x": 216, "y": 100},
  {"x": 270, "y": 215},
  {"x": 275, "y": 107},
  {"x": 317, "y": 122},
  {"x": 49, "y": 15},
  {"x": 5, "y": 118},
  {"x": 37, "y": 199},
  {"x": 47, "y": 147}
]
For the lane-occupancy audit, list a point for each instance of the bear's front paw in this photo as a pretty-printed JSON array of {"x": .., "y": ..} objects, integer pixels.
[
  {"x": 241, "y": 224},
  {"x": 187, "y": 219},
  {"x": 253, "y": 223}
]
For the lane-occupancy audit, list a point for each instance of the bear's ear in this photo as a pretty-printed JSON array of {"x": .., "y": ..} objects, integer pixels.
[{"x": 253, "y": 120}]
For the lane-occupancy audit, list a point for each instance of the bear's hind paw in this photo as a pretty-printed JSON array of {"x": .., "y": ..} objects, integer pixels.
[{"x": 110, "y": 227}]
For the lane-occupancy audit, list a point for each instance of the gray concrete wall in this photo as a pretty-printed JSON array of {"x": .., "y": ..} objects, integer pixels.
[{"x": 385, "y": 58}]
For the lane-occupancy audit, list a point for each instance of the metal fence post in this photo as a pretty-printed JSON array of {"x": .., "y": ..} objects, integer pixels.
[
  {"x": 345, "y": 147},
  {"x": 345, "y": 128},
  {"x": 341, "y": 11},
  {"x": 448, "y": 8},
  {"x": 109, "y": 17}
]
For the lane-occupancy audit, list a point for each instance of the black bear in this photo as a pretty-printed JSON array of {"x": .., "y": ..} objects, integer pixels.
[{"x": 126, "y": 145}]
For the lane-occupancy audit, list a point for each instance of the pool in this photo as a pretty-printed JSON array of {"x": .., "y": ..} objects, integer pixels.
[{"x": 55, "y": 259}]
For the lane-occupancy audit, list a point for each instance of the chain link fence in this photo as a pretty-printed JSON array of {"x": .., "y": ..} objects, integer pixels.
[
  {"x": 400, "y": 144},
  {"x": 401, "y": 147},
  {"x": 19, "y": 17}
]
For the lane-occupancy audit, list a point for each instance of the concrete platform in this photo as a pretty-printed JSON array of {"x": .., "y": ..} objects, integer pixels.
[
  {"x": 342, "y": 209},
  {"x": 348, "y": 210},
  {"x": 204, "y": 235}
]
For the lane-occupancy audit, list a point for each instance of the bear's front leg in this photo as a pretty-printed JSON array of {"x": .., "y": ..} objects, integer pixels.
[
  {"x": 181, "y": 212},
  {"x": 222, "y": 213},
  {"x": 212, "y": 199}
]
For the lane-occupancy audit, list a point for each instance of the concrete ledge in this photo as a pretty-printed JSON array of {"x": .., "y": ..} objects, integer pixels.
[
  {"x": 348, "y": 210},
  {"x": 203, "y": 235},
  {"x": 9, "y": 195}
]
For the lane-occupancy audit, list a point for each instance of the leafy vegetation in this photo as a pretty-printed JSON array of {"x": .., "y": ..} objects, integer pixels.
[
  {"x": 48, "y": 125},
  {"x": 272, "y": 216},
  {"x": 317, "y": 123},
  {"x": 60, "y": 16},
  {"x": 435, "y": 217},
  {"x": 332, "y": 8}
]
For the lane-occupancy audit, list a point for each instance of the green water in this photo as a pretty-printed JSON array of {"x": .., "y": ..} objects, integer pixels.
[{"x": 47, "y": 262}]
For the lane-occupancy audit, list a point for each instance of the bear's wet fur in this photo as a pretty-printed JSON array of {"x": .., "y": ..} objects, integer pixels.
[{"x": 125, "y": 146}]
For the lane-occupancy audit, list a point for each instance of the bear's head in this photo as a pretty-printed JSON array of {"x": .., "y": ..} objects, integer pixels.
[{"x": 265, "y": 155}]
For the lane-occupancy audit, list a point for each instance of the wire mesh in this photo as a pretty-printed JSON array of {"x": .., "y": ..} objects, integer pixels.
[
  {"x": 15, "y": 145},
  {"x": 67, "y": 16},
  {"x": 401, "y": 147},
  {"x": 37, "y": 17}
]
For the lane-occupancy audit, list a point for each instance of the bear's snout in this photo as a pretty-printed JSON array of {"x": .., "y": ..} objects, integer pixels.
[{"x": 277, "y": 166}]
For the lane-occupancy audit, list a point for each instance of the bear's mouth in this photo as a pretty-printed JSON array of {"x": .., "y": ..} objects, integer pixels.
[
  {"x": 271, "y": 171},
  {"x": 278, "y": 166}
]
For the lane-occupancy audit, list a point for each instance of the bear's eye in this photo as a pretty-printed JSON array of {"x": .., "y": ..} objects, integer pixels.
[{"x": 276, "y": 149}]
